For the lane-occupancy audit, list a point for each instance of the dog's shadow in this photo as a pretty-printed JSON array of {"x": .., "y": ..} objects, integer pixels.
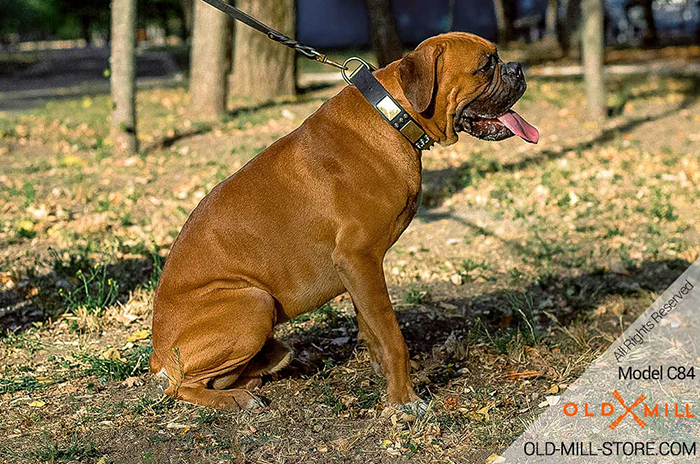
[{"x": 436, "y": 328}]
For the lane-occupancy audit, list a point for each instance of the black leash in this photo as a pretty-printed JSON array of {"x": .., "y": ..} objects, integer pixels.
[
  {"x": 362, "y": 78},
  {"x": 237, "y": 14}
]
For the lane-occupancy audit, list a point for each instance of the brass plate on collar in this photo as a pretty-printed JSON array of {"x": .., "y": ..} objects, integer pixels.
[
  {"x": 412, "y": 131},
  {"x": 388, "y": 108}
]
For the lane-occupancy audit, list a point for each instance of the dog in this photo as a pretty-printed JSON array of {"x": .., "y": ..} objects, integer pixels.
[{"x": 311, "y": 217}]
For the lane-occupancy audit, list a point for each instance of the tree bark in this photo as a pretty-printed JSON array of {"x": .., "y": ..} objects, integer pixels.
[
  {"x": 451, "y": 11},
  {"x": 593, "y": 56},
  {"x": 209, "y": 62},
  {"x": 551, "y": 19},
  {"x": 85, "y": 29},
  {"x": 650, "y": 37},
  {"x": 123, "y": 77},
  {"x": 186, "y": 13},
  {"x": 569, "y": 33},
  {"x": 262, "y": 68},
  {"x": 383, "y": 32},
  {"x": 505, "y": 10}
]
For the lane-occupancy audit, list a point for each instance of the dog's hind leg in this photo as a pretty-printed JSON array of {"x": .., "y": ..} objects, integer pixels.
[
  {"x": 212, "y": 357},
  {"x": 273, "y": 357}
]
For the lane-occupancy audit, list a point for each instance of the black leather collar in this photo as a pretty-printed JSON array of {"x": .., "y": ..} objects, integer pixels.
[{"x": 384, "y": 103}]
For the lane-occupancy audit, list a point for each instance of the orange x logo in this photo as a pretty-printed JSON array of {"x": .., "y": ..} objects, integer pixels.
[{"x": 628, "y": 410}]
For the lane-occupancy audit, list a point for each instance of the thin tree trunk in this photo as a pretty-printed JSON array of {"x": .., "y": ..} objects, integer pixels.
[
  {"x": 186, "y": 13},
  {"x": 504, "y": 20},
  {"x": 209, "y": 62},
  {"x": 451, "y": 10},
  {"x": 123, "y": 77},
  {"x": 593, "y": 55},
  {"x": 569, "y": 33},
  {"x": 650, "y": 37},
  {"x": 85, "y": 29},
  {"x": 383, "y": 33},
  {"x": 551, "y": 19},
  {"x": 262, "y": 68}
]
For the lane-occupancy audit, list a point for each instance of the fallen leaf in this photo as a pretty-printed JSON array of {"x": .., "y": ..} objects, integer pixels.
[
  {"x": 126, "y": 319},
  {"x": 113, "y": 354},
  {"x": 138, "y": 335},
  {"x": 37, "y": 404},
  {"x": 495, "y": 459},
  {"x": 527, "y": 374},
  {"x": 485, "y": 411},
  {"x": 554, "y": 389}
]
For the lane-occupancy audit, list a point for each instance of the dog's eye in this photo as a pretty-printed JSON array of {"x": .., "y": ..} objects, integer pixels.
[{"x": 490, "y": 64}]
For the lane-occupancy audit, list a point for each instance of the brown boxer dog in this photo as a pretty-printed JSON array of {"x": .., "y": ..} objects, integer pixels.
[{"x": 311, "y": 217}]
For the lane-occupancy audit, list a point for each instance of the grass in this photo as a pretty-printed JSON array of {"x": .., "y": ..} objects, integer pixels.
[
  {"x": 523, "y": 258},
  {"x": 415, "y": 296},
  {"x": 95, "y": 291},
  {"x": 50, "y": 450},
  {"x": 115, "y": 369}
]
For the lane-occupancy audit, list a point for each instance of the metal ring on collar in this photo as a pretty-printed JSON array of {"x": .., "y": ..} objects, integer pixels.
[{"x": 362, "y": 62}]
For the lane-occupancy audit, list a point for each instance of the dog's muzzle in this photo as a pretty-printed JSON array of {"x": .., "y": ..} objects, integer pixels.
[{"x": 490, "y": 116}]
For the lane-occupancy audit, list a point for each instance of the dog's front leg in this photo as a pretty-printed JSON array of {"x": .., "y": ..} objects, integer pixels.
[
  {"x": 366, "y": 336},
  {"x": 363, "y": 276}
]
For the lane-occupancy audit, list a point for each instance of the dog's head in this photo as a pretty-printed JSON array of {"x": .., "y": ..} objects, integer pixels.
[{"x": 459, "y": 77}]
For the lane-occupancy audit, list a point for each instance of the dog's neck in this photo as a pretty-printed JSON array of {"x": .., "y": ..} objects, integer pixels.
[{"x": 439, "y": 126}]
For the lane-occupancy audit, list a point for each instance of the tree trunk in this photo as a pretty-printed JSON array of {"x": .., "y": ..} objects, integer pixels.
[
  {"x": 650, "y": 37},
  {"x": 85, "y": 29},
  {"x": 593, "y": 54},
  {"x": 209, "y": 62},
  {"x": 569, "y": 33},
  {"x": 123, "y": 77},
  {"x": 383, "y": 33},
  {"x": 451, "y": 11},
  {"x": 186, "y": 13},
  {"x": 551, "y": 19},
  {"x": 264, "y": 69},
  {"x": 505, "y": 10}
]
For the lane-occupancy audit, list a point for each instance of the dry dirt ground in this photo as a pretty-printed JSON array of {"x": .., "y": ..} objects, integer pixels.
[{"x": 524, "y": 263}]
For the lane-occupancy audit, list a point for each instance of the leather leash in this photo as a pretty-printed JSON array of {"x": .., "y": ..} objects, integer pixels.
[
  {"x": 362, "y": 78},
  {"x": 238, "y": 15}
]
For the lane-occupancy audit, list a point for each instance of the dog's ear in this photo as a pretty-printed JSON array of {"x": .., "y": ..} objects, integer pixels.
[{"x": 417, "y": 76}]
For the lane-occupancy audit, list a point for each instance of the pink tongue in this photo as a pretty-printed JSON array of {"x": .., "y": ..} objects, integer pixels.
[{"x": 520, "y": 127}]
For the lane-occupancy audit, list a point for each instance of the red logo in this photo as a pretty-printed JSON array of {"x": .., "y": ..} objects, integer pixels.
[
  {"x": 637, "y": 402},
  {"x": 650, "y": 411}
]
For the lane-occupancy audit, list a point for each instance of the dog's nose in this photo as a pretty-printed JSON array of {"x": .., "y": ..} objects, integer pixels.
[{"x": 515, "y": 69}]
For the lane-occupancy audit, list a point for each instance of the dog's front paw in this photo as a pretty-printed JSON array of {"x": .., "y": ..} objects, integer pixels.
[
  {"x": 415, "y": 408},
  {"x": 404, "y": 413}
]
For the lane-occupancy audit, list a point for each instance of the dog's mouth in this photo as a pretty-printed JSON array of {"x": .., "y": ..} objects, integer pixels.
[{"x": 497, "y": 127}]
